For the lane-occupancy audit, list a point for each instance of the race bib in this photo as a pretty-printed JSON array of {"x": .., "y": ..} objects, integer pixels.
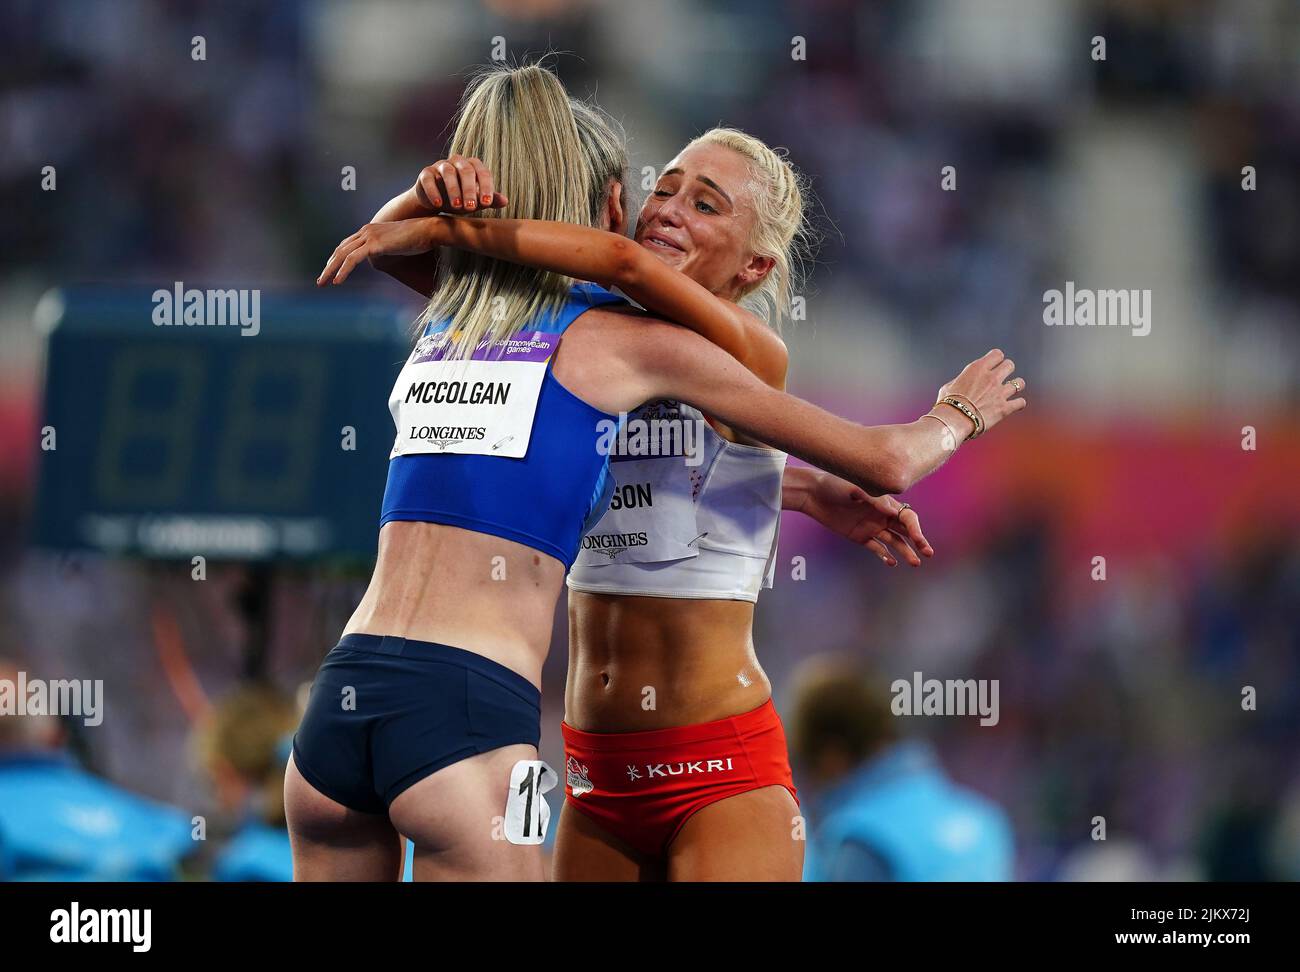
[
  {"x": 527, "y": 813},
  {"x": 483, "y": 405},
  {"x": 659, "y": 464},
  {"x": 651, "y": 515}
]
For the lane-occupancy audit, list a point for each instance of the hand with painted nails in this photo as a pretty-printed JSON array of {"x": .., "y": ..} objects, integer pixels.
[{"x": 458, "y": 185}]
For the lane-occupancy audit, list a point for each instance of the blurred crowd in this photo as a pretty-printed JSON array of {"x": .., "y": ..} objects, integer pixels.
[
  {"x": 1120, "y": 700},
  {"x": 232, "y": 166}
]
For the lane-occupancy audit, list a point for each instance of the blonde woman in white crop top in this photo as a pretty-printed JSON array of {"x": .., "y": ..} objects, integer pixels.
[{"x": 676, "y": 764}]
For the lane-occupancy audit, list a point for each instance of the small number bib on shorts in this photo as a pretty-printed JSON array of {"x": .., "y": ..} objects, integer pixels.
[
  {"x": 483, "y": 405},
  {"x": 527, "y": 813}
]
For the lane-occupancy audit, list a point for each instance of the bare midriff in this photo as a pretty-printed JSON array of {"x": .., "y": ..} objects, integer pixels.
[
  {"x": 638, "y": 663},
  {"x": 469, "y": 590}
]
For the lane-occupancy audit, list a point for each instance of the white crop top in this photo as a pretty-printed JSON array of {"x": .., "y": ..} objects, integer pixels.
[{"x": 691, "y": 514}]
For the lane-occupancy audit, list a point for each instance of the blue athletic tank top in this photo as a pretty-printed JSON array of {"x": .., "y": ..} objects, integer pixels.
[{"x": 545, "y": 499}]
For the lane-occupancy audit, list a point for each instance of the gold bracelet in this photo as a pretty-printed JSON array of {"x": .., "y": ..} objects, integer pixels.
[
  {"x": 962, "y": 398},
  {"x": 971, "y": 405},
  {"x": 968, "y": 410}
]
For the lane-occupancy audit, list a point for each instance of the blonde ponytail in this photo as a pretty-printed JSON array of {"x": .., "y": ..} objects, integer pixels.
[{"x": 553, "y": 158}]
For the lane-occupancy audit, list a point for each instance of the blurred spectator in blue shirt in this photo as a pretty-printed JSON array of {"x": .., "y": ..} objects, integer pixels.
[
  {"x": 244, "y": 746},
  {"x": 881, "y": 808},
  {"x": 61, "y": 823}
]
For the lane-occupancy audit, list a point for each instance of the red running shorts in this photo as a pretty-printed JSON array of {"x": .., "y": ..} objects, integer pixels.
[{"x": 642, "y": 787}]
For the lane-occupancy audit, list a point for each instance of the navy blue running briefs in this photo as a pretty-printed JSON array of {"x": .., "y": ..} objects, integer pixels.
[{"x": 386, "y": 712}]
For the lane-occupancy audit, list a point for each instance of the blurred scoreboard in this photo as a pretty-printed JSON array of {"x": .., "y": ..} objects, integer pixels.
[{"x": 186, "y": 429}]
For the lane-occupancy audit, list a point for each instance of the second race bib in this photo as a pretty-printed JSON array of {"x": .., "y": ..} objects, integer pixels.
[{"x": 483, "y": 405}]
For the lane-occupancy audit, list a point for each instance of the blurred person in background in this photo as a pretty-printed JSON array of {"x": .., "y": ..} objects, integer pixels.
[
  {"x": 244, "y": 746},
  {"x": 60, "y": 823},
  {"x": 881, "y": 807}
]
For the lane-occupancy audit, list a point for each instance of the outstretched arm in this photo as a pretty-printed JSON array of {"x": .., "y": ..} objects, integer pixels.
[
  {"x": 612, "y": 260},
  {"x": 639, "y": 361},
  {"x": 880, "y": 459},
  {"x": 576, "y": 251}
]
